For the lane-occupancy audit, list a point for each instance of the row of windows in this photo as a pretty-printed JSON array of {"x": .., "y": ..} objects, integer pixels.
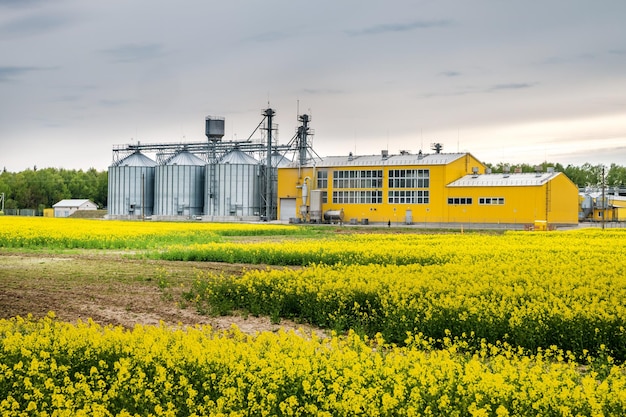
[
  {"x": 409, "y": 173},
  {"x": 357, "y": 197},
  {"x": 376, "y": 197},
  {"x": 408, "y": 197},
  {"x": 401, "y": 197},
  {"x": 358, "y": 179},
  {"x": 482, "y": 200},
  {"x": 357, "y": 183},
  {"x": 398, "y": 178},
  {"x": 409, "y": 182},
  {"x": 491, "y": 200},
  {"x": 365, "y": 173},
  {"x": 460, "y": 200}
]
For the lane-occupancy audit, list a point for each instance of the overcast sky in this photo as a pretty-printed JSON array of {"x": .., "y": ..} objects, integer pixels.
[{"x": 524, "y": 81}]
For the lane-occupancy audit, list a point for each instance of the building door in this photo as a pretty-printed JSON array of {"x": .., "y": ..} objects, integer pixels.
[{"x": 287, "y": 208}]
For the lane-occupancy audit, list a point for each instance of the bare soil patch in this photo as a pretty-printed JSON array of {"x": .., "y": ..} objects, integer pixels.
[{"x": 113, "y": 289}]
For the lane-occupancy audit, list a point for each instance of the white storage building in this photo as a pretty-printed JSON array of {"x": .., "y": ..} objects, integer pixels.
[{"x": 66, "y": 208}]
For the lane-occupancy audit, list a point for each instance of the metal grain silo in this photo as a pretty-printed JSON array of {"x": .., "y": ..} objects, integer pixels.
[
  {"x": 131, "y": 187},
  {"x": 278, "y": 160},
  {"x": 232, "y": 186},
  {"x": 179, "y": 186}
]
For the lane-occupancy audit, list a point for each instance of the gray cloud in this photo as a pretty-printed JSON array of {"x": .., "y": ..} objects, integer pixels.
[
  {"x": 134, "y": 52},
  {"x": 399, "y": 27},
  {"x": 68, "y": 98},
  {"x": 268, "y": 37},
  {"x": 113, "y": 103},
  {"x": 21, "y": 3},
  {"x": 569, "y": 59},
  {"x": 451, "y": 94},
  {"x": 34, "y": 24},
  {"x": 379, "y": 71},
  {"x": 474, "y": 90},
  {"x": 510, "y": 86},
  {"x": 10, "y": 74},
  {"x": 315, "y": 91}
]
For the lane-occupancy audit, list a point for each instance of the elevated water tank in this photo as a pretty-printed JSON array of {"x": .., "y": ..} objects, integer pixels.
[
  {"x": 179, "y": 186},
  {"x": 131, "y": 186},
  {"x": 214, "y": 128},
  {"x": 232, "y": 186}
]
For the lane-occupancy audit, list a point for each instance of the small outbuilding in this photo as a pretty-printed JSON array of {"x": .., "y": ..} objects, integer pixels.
[{"x": 66, "y": 208}]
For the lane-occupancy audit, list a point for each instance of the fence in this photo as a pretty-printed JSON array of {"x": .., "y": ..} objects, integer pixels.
[
  {"x": 606, "y": 225},
  {"x": 23, "y": 212}
]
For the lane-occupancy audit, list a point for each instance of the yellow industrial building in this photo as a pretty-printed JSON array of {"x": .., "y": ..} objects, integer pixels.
[
  {"x": 422, "y": 188},
  {"x": 595, "y": 206}
]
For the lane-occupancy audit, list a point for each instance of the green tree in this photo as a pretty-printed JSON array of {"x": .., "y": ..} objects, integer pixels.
[
  {"x": 102, "y": 189},
  {"x": 585, "y": 175},
  {"x": 42, "y": 188},
  {"x": 25, "y": 190},
  {"x": 52, "y": 185},
  {"x": 616, "y": 176}
]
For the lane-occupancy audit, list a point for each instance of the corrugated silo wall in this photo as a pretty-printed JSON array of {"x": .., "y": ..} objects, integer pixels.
[
  {"x": 236, "y": 190},
  {"x": 179, "y": 190},
  {"x": 126, "y": 195}
]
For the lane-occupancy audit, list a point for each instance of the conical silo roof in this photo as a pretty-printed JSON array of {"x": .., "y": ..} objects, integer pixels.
[
  {"x": 238, "y": 157},
  {"x": 185, "y": 158},
  {"x": 136, "y": 159},
  {"x": 278, "y": 160}
]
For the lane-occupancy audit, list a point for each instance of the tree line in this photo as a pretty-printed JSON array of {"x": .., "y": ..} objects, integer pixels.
[
  {"x": 585, "y": 175},
  {"x": 41, "y": 188}
]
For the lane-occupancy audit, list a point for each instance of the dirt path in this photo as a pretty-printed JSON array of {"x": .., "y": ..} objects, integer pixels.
[{"x": 112, "y": 289}]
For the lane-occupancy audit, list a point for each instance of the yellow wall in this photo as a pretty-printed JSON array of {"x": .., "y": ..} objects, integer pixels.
[
  {"x": 563, "y": 200},
  {"x": 617, "y": 203},
  {"x": 288, "y": 179},
  {"x": 610, "y": 214},
  {"x": 523, "y": 204},
  {"x": 440, "y": 175}
]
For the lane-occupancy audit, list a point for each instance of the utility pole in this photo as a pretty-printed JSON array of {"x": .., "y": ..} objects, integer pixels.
[
  {"x": 2, "y": 200},
  {"x": 143, "y": 196},
  {"x": 603, "y": 199}
]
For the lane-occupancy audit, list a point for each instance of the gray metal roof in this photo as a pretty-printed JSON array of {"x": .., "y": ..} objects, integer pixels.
[
  {"x": 238, "y": 157},
  {"x": 380, "y": 160},
  {"x": 77, "y": 202},
  {"x": 185, "y": 158},
  {"x": 504, "y": 180},
  {"x": 136, "y": 159},
  {"x": 598, "y": 194}
]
